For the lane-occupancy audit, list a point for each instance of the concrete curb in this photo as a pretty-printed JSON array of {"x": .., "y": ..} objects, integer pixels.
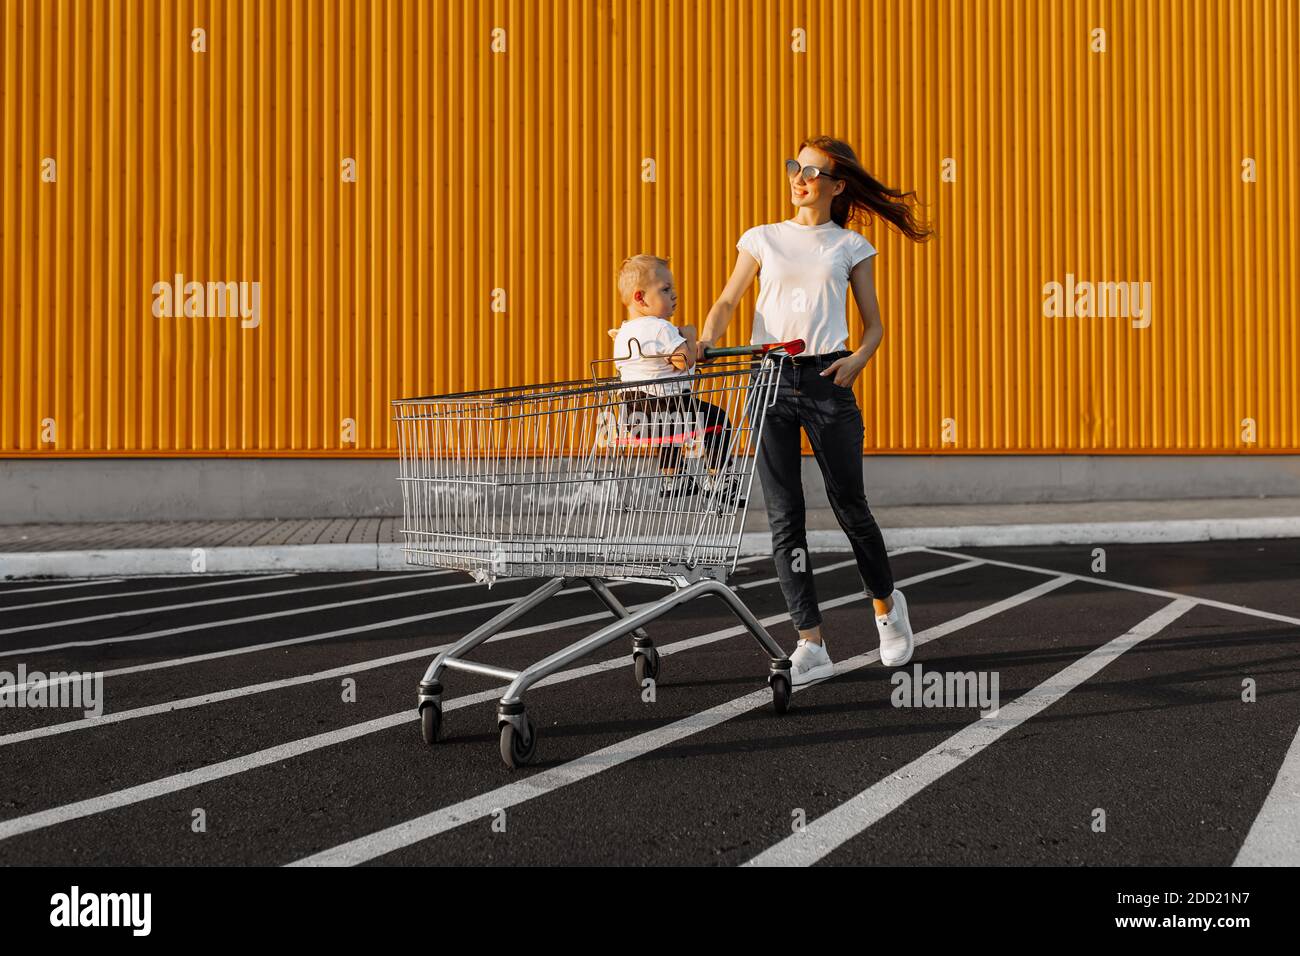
[
  {"x": 164, "y": 561},
  {"x": 1091, "y": 532},
  {"x": 389, "y": 557}
]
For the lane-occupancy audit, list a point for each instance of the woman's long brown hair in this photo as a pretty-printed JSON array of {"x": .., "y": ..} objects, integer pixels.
[{"x": 864, "y": 196}]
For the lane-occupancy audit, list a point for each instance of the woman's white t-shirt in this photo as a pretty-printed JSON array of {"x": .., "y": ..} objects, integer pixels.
[{"x": 803, "y": 282}]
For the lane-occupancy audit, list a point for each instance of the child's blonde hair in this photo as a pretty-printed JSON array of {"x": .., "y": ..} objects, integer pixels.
[{"x": 637, "y": 272}]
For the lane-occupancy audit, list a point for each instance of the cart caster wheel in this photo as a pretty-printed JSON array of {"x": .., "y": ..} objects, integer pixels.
[
  {"x": 430, "y": 723},
  {"x": 780, "y": 693},
  {"x": 513, "y": 751},
  {"x": 646, "y": 664}
]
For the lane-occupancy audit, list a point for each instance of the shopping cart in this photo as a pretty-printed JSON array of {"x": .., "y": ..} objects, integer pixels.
[{"x": 583, "y": 483}]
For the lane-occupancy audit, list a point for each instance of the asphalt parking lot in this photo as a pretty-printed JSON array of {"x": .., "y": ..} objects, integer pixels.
[{"x": 1143, "y": 716}]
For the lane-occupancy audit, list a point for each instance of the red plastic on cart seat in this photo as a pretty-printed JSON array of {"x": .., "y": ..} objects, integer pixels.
[{"x": 659, "y": 441}]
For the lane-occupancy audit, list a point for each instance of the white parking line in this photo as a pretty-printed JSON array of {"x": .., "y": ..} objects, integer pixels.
[
  {"x": 1155, "y": 592},
  {"x": 832, "y": 830},
  {"x": 54, "y": 587},
  {"x": 126, "y": 594},
  {"x": 1274, "y": 837},
  {"x": 282, "y": 752},
  {"x": 334, "y": 586},
  {"x": 87, "y": 723},
  {"x": 268, "y": 645},
  {"x": 439, "y": 821},
  {"x": 287, "y": 642},
  {"x": 228, "y": 622}
]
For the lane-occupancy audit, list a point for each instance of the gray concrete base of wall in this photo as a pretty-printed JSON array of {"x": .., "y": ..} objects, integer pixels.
[{"x": 175, "y": 489}]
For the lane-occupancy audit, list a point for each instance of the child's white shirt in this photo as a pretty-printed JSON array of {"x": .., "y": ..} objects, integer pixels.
[{"x": 658, "y": 338}]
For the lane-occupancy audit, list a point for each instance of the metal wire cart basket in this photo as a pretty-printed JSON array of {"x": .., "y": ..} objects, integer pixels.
[{"x": 586, "y": 482}]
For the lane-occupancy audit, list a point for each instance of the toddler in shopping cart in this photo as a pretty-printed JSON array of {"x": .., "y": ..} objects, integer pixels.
[{"x": 649, "y": 348}]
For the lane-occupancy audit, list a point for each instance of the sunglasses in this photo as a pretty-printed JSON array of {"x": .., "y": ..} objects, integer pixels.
[{"x": 809, "y": 172}]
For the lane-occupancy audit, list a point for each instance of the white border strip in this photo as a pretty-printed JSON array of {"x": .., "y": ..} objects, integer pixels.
[
  {"x": 1097, "y": 532},
  {"x": 153, "y": 561}
]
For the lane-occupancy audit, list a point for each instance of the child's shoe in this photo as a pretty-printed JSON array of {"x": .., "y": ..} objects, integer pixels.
[
  {"x": 677, "y": 486},
  {"x": 723, "y": 490}
]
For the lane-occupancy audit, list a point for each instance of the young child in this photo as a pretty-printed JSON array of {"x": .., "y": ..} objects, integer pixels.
[{"x": 648, "y": 348}]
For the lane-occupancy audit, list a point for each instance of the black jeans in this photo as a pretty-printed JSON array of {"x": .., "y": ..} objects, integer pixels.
[{"x": 833, "y": 421}]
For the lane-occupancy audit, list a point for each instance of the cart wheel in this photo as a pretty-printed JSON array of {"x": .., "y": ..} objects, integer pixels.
[
  {"x": 646, "y": 664},
  {"x": 780, "y": 693},
  {"x": 430, "y": 723},
  {"x": 513, "y": 751}
]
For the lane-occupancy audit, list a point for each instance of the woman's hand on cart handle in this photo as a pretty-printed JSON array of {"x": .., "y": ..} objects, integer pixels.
[{"x": 793, "y": 347}]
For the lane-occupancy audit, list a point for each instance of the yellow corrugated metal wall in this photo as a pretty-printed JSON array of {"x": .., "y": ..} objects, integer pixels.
[{"x": 522, "y": 171}]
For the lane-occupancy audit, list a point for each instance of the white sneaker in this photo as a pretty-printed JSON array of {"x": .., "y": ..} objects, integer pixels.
[
  {"x": 895, "y": 633},
  {"x": 810, "y": 662}
]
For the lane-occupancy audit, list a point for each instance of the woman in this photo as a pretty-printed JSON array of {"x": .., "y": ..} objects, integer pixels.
[{"x": 805, "y": 266}]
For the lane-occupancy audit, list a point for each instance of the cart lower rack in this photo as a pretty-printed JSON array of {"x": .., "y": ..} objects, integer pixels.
[{"x": 582, "y": 483}]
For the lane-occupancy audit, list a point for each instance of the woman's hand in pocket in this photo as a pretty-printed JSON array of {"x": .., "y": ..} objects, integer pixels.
[{"x": 844, "y": 372}]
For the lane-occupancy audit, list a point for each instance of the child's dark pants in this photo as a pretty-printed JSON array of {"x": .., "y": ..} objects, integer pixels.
[{"x": 673, "y": 419}]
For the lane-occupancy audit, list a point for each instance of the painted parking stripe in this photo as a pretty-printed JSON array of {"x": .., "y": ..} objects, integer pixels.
[
  {"x": 87, "y": 723},
  {"x": 439, "y": 821},
  {"x": 1274, "y": 837},
  {"x": 126, "y": 594},
  {"x": 335, "y": 586},
  {"x": 228, "y": 622},
  {"x": 1138, "y": 588},
  {"x": 296, "y": 748},
  {"x": 269, "y": 645},
  {"x": 832, "y": 830},
  {"x": 274, "y": 645},
  {"x": 55, "y": 587}
]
